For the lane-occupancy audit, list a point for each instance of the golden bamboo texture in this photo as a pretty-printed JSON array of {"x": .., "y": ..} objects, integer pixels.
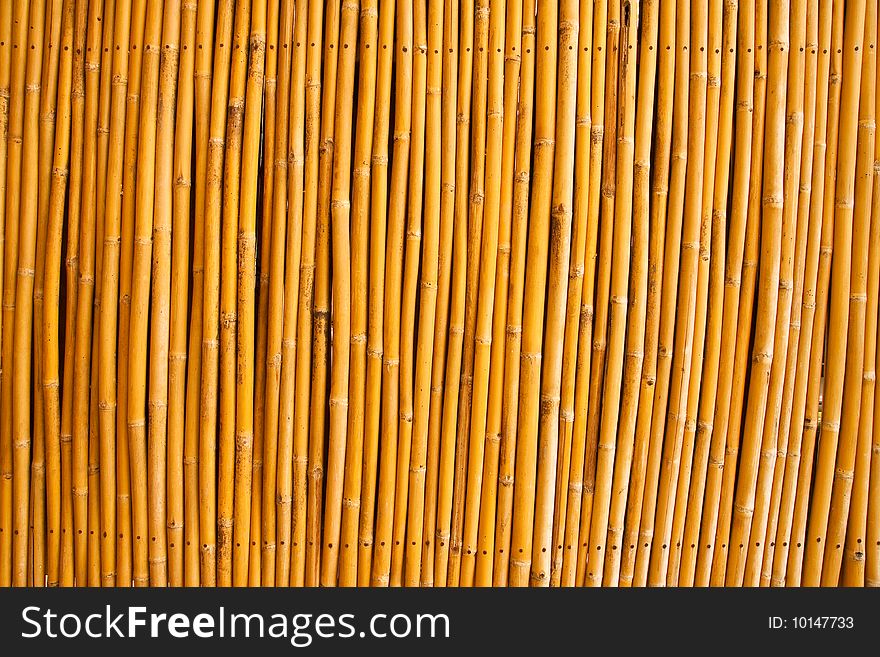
[{"x": 439, "y": 293}]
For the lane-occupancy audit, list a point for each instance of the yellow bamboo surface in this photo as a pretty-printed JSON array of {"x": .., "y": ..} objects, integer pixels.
[{"x": 439, "y": 293}]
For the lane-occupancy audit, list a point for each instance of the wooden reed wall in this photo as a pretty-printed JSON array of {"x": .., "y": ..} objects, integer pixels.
[{"x": 490, "y": 292}]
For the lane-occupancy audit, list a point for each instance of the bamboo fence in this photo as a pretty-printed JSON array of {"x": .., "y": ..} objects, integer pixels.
[{"x": 439, "y": 293}]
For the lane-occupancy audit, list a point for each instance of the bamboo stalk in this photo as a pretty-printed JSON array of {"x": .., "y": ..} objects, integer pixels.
[
  {"x": 528, "y": 480},
  {"x": 375, "y": 322},
  {"x": 448, "y": 141},
  {"x": 277, "y": 447},
  {"x": 360, "y": 268},
  {"x": 178, "y": 455},
  {"x": 840, "y": 293},
  {"x": 436, "y": 158}
]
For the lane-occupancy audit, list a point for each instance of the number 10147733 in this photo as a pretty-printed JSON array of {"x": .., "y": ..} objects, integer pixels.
[{"x": 811, "y": 623}]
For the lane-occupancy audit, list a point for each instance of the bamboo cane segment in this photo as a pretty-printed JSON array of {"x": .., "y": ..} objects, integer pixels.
[
  {"x": 360, "y": 256},
  {"x": 797, "y": 431},
  {"x": 227, "y": 441},
  {"x": 208, "y": 516},
  {"x": 671, "y": 266},
  {"x": 375, "y": 321},
  {"x": 513, "y": 334},
  {"x": 745, "y": 319},
  {"x": 853, "y": 567},
  {"x": 178, "y": 455},
  {"x": 435, "y": 158},
  {"x": 321, "y": 305},
  {"x": 601, "y": 208},
  {"x": 475, "y": 218},
  {"x": 799, "y": 528},
  {"x": 261, "y": 320},
  {"x": 452, "y": 451},
  {"x": 524, "y": 548},
  {"x": 51, "y": 294},
  {"x": 14, "y": 25},
  {"x": 277, "y": 453},
  {"x": 381, "y": 559},
  {"x": 775, "y": 229},
  {"x": 509, "y": 71},
  {"x": 637, "y": 289},
  {"x": 125, "y": 496},
  {"x": 582, "y": 274},
  {"x": 247, "y": 281},
  {"x": 840, "y": 291},
  {"x": 340, "y": 209},
  {"x": 486, "y": 294},
  {"x": 692, "y": 460},
  {"x": 645, "y": 451},
  {"x": 159, "y": 466},
  {"x": 202, "y": 83},
  {"x": 690, "y": 309},
  {"x": 855, "y": 355},
  {"x": 720, "y": 111},
  {"x": 24, "y": 287},
  {"x": 802, "y": 113},
  {"x": 410, "y": 289},
  {"x": 47, "y": 123}
]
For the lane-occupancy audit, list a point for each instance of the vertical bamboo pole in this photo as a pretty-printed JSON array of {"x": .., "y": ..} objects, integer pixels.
[
  {"x": 261, "y": 320},
  {"x": 645, "y": 451},
  {"x": 528, "y": 456},
  {"x": 855, "y": 567},
  {"x": 375, "y": 322},
  {"x": 202, "y": 82},
  {"x": 178, "y": 455},
  {"x": 486, "y": 293},
  {"x": 573, "y": 324},
  {"x": 734, "y": 411},
  {"x": 321, "y": 304},
  {"x": 47, "y": 125},
  {"x": 147, "y": 492},
  {"x": 803, "y": 38},
  {"x": 794, "y": 565},
  {"x": 721, "y": 86},
  {"x": 515, "y": 291},
  {"x": 809, "y": 212},
  {"x": 289, "y": 189},
  {"x": 158, "y": 463},
  {"x": 12, "y": 103},
  {"x": 451, "y": 451},
  {"x": 841, "y": 277},
  {"x": 381, "y": 561},
  {"x": 839, "y": 511},
  {"x": 302, "y": 443},
  {"x": 24, "y": 284},
  {"x": 227, "y": 442},
  {"x": 277, "y": 452},
  {"x": 435, "y": 158},
  {"x": 52, "y": 296},
  {"x": 772, "y": 229},
  {"x": 443, "y": 310},
  {"x": 360, "y": 254},
  {"x": 211, "y": 297},
  {"x": 680, "y": 153},
  {"x": 340, "y": 209},
  {"x": 247, "y": 280},
  {"x": 603, "y": 152},
  {"x": 124, "y": 495},
  {"x": 632, "y": 351},
  {"x": 475, "y": 217},
  {"x": 509, "y": 70},
  {"x": 622, "y": 237}
]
